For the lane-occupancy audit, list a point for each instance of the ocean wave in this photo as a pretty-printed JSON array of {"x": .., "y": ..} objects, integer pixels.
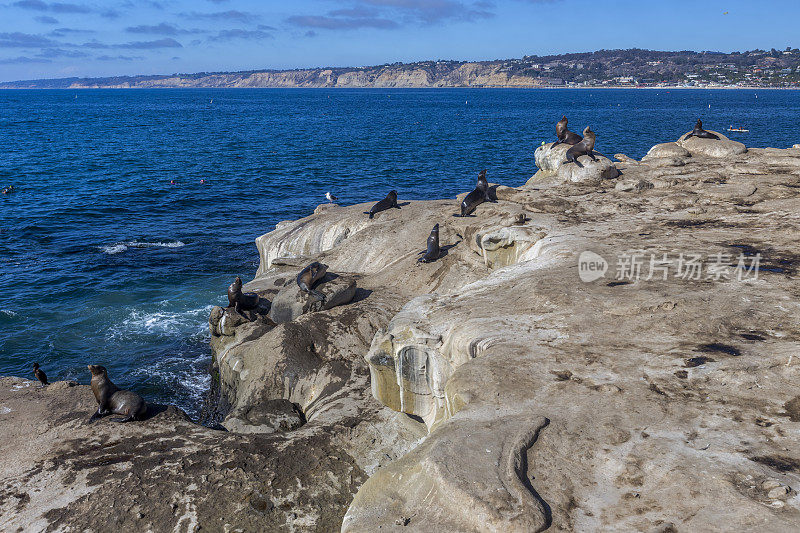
[
  {"x": 184, "y": 380},
  {"x": 166, "y": 323},
  {"x": 8, "y": 313},
  {"x": 120, "y": 247}
]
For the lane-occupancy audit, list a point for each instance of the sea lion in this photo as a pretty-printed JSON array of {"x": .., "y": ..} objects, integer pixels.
[
  {"x": 40, "y": 375},
  {"x": 478, "y": 195},
  {"x": 112, "y": 400},
  {"x": 309, "y": 276},
  {"x": 387, "y": 203},
  {"x": 432, "y": 254},
  {"x": 585, "y": 147},
  {"x": 241, "y": 301},
  {"x": 698, "y": 131},
  {"x": 563, "y": 135}
]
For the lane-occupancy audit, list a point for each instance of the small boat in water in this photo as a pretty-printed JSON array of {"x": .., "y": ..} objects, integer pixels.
[{"x": 738, "y": 130}]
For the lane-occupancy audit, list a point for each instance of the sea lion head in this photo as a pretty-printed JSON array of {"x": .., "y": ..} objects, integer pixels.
[
  {"x": 561, "y": 125},
  {"x": 435, "y": 229},
  {"x": 392, "y": 195},
  {"x": 699, "y": 124},
  {"x": 97, "y": 370},
  {"x": 482, "y": 175},
  {"x": 36, "y": 366}
]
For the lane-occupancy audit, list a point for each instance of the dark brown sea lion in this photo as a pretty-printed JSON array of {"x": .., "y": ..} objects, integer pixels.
[
  {"x": 112, "y": 400},
  {"x": 310, "y": 276},
  {"x": 40, "y": 375},
  {"x": 241, "y": 301},
  {"x": 698, "y": 131},
  {"x": 432, "y": 253},
  {"x": 387, "y": 203},
  {"x": 585, "y": 147},
  {"x": 563, "y": 135},
  {"x": 478, "y": 195}
]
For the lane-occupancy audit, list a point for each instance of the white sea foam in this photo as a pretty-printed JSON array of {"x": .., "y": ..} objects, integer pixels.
[
  {"x": 8, "y": 313},
  {"x": 163, "y": 322},
  {"x": 118, "y": 248}
]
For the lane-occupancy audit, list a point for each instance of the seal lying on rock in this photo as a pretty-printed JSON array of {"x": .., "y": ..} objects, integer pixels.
[
  {"x": 585, "y": 147},
  {"x": 241, "y": 301},
  {"x": 40, "y": 375},
  {"x": 432, "y": 254},
  {"x": 309, "y": 276},
  {"x": 112, "y": 400},
  {"x": 698, "y": 131},
  {"x": 387, "y": 203},
  {"x": 563, "y": 134},
  {"x": 479, "y": 195}
]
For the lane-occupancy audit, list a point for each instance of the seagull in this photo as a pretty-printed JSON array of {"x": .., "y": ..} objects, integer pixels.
[{"x": 330, "y": 197}]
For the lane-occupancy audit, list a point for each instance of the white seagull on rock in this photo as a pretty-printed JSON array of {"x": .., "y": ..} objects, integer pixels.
[{"x": 331, "y": 198}]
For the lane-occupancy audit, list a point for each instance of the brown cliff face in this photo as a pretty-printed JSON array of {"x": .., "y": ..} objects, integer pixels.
[{"x": 399, "y": 76}]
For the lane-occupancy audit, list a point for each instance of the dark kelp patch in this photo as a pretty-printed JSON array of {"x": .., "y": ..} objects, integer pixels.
[
  {"x": 697, "y": 361},
  {"x": 717, "y": 347},
  {"x": 779, "y": 463}
]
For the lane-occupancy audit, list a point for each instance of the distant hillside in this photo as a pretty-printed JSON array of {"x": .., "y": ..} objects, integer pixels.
[{"x": 757, "y": 68}]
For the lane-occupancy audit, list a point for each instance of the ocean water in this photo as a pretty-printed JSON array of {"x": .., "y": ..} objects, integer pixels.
[{"x": 104, "y": 261}]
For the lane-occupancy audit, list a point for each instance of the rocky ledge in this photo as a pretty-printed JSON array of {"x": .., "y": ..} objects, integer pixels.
[{"x": 604, "y": 349}]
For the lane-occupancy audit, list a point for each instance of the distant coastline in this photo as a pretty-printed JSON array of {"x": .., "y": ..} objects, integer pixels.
[{"x": 612, "y": 69}]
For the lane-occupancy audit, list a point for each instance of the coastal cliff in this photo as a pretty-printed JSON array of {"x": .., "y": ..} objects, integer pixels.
[{"x": 604, "y": 348}]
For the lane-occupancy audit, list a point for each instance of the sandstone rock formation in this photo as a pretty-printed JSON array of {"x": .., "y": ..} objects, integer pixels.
[
  {"x": 509, "y": 386},
  {"x": 723, "y": 147},
  {"x": 552, "y": 160}
]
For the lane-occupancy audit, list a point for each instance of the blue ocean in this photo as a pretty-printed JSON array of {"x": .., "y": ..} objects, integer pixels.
[{"x": 134, "y": 209}]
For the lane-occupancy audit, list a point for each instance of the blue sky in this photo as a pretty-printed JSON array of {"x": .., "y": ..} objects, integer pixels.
[{"x": 52, "y": 39}]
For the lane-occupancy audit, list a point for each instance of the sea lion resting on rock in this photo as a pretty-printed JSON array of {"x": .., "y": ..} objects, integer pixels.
[
  {"x": 241, "y": 301},
  {"x": 585, "y": 147},
  {"x": 479, "y": 195},
  {"x": 698, "y": 131},
  {"x": 432, "y": 254},
  {"x": 112, "y": 400},
  {"x": 387, "y": 203},
  {"x": 565, "y": 136},
  {"x": 309, "y": 276}
]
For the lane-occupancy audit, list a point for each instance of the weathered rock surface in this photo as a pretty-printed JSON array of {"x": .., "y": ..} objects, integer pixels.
[
  {"x": 668, "y": 150},
  {"x": 61, "y": 473},
  {"x": 723, "y": 147},
  {"x": 490, "y": 390},
  {"x": 291, "y": 302},
  {"x": 551, "y": 160}
]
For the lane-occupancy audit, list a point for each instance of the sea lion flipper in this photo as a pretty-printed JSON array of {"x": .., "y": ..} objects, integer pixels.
[{"x": 318, "y": 295}]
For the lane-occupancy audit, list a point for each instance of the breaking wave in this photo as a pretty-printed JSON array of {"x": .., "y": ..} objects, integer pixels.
[{"x": 120, "y": 247}]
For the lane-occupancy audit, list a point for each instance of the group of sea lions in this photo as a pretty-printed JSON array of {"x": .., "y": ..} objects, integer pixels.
[
  {"x": 113, "y": 400},
  {"x": 478, "y": 195},
  {"x": 585, "y": 145},
  {"x": 579, "y": 145},
  {"x": 110, "y": 398}
]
